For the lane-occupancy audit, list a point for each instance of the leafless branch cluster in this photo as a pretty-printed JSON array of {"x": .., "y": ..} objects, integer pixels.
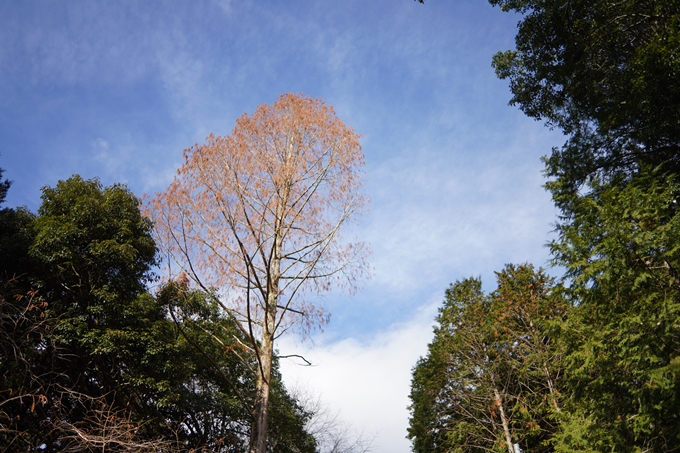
[
  {"x": 41, "y": 408},
  {"x": 103, "y": 428},
  {"x": 332, "y": 434}
]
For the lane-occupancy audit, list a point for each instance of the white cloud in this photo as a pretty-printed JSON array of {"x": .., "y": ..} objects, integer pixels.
[
  {"x": 367, "y": 381},
  {"x": 101, "y": 150}
]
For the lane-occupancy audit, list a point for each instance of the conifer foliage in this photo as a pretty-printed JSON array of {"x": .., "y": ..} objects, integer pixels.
[
  {"x": 606, "y": 74},
  {"x": 490, "y": 378}
]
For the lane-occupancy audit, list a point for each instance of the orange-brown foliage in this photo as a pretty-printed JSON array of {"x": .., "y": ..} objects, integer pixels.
[{"x": 258, "y": 213}]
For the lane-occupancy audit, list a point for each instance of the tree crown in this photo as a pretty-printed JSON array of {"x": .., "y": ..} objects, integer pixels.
[{"x": 260, "y": 211}]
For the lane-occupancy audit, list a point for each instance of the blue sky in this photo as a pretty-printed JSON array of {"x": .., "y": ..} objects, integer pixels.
[{"x": 117, "y": 90}]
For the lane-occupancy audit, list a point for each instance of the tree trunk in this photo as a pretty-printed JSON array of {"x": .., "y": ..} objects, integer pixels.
[
  {"x": 504, "y": 421},
  {"x": 551, "y": 388},
  {"x": 258, "y": 430}
]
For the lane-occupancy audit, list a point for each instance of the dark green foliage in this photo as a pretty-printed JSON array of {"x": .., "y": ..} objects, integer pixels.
[
  {"x": 4, "y": 186},
  {"x": 96, "y": 246},
  {"x": 93, "y": 253},
  {"x": 622, "y": 253},
  {"x": 440, "y": 376},
  {"x": 493, "y": 367},
  {"x": 75, "y": 274},
  {"x": 16, "y": 236},
  {"x": 91, "y": 361},
  {"x": 604, "y": 72}
]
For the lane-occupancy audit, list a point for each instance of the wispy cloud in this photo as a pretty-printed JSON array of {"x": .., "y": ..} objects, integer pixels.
[{"x": 117, "y": 90}]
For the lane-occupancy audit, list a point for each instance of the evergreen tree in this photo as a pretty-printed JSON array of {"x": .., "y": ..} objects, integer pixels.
[
  {"x": 491, "y": 376},
  {"x": 622, "y": 254},
  {"x": 605, "y": 73}
]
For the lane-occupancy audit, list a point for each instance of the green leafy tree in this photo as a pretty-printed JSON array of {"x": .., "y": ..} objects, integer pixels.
[
  {"x": 604, "y": 72},
  {"x": 73, "y": 269},
  {"x": 96, "y": 249},
  {"x": 15, "y": 238},
  {"x": 4, "y": 186},
  {"x": 490, "y": 379},
  {"x": 622, "y": 255},
  {"x": 94, "y": 253},
  {"x": 91, "y": 361}
]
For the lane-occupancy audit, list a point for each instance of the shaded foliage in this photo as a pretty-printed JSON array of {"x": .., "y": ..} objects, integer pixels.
[
  {"x": 4, "y": 187},
  {"x": 91, "y": 361},
  {"x": 490, "y": 378},
  {"x": 606, "y": 74},
  {"x": 60, "y": 392}
]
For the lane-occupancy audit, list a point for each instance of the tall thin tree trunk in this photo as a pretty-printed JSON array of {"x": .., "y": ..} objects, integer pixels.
[
  {"x": 551, "y": 387},
  {"x": 258, "y": 430},
  {"x": 504, "y": 421}
]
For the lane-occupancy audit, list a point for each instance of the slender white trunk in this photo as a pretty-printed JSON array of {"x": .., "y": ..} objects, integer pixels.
[
  {"x": 504, "y": 421},
  {"x": 551, "y": 388}
]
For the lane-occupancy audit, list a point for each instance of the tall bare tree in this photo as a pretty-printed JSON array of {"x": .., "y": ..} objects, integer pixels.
[{"x": 256, "y": 218}]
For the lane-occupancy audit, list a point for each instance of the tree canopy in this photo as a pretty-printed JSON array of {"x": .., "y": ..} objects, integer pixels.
[
  {"x": 258, "y": 215},
  {"x": 4, "y": 187},
  {"x": 91, "y": 361},
  {"x": 491, "y": 376},
  {"x": 604, "y": 72}
]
